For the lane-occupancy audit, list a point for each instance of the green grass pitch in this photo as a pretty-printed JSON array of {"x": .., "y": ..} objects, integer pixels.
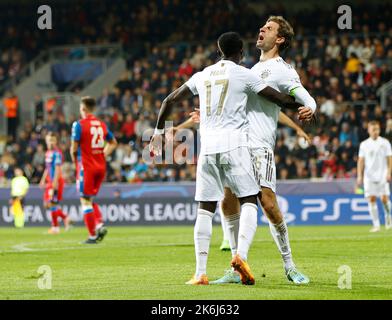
[{"x": 155, "y": 263}]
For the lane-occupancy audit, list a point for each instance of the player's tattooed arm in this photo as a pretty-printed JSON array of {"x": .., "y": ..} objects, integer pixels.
[
  {"x": 281, "y": 99},
  {"x": 287, "y": 121}
]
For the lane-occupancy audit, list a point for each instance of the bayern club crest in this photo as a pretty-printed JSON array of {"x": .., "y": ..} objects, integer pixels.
[{"x": 265, "y": 74}]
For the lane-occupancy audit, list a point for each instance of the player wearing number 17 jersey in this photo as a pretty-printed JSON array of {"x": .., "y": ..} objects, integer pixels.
[
  {"x": 91, "y": 143},
  {"x": 223, "y": 90}
]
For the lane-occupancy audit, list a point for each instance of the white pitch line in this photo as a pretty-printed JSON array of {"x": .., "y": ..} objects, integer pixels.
[{"x": 23, "y": 247}]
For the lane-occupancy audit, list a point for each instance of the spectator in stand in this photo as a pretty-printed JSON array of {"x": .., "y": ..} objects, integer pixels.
[
  {"x": 104, "y": 102},
  {"x": 352, "y": 63},
  {"x": 185, "y": 69},
  {"x": 128, "y": 128},
  {"x": 11, "y": 104},
  {"x": 130, "y": 157},
  {"x": 347, "y": 134}
]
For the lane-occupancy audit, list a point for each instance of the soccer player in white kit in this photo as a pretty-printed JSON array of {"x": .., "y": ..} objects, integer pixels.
[
  {"x": 223, "y": 90},
  {"x": 374, "y": 172},
  {"x": 274, "y": 37}
]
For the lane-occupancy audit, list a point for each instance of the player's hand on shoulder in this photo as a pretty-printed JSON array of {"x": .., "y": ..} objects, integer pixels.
[{"x": 305, "y": 114}]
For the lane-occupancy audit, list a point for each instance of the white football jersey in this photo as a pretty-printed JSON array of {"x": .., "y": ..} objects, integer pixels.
[
  {"x": 223, "y": 90},
  {"x": 375, "y": 153},
  {"x": 263, "y": 114}
]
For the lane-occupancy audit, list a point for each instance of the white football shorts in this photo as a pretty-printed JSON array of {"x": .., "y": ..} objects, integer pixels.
[
  {"x": 231, "y": 169},
  {"x": 376, "y": 189},
  {"x": 263, "y": 160}
]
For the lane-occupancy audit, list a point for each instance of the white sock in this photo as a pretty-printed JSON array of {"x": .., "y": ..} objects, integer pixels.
[
  {"x": 233, "y": 227},
  {"x": 374, "y": 214},
  {"x": 202, "y": 236},
  {"x": 224, "y": 224},
  {"x": 281, "y": 236},
  {"x": 387, "y": 213},
  {"x": 247, "y": 230}
]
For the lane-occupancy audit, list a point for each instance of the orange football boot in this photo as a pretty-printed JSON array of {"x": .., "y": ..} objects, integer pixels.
[
  {"x": 202, "y": 280},
  {"x": 243, "y": 269}
]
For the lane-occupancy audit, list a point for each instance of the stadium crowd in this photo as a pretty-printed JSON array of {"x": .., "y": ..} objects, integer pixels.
[{"x": 342, "y": 71}]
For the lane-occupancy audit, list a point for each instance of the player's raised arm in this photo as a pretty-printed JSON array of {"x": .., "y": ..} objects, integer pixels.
[
  {"x": 180, "y": 94},
  {"x": 172, "y": 99}
]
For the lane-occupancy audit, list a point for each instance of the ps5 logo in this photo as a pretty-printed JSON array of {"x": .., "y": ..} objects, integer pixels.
[{"x": 44, "y": 22}]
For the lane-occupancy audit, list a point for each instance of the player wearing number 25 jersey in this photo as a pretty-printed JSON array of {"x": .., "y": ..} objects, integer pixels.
[{"x": 91, "y": 143}]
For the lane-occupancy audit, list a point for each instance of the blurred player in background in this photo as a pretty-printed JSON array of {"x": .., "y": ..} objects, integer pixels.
[
  {"x": 374, "y": 172},
  {"x": 223, "y": 90},
  {"x": 91, "y": 143},
  {"x": 53, "y": 181},
  {"x": 19, "y": 188}
]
